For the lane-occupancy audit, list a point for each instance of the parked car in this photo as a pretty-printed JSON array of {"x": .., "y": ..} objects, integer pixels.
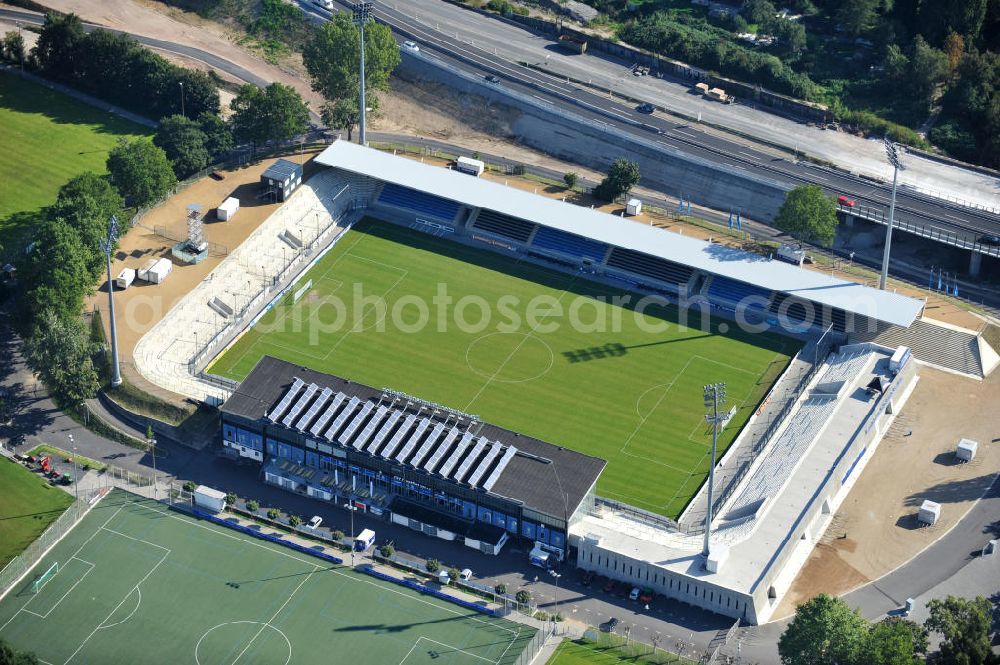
[
  {"x": 411, "y": 46},
  {"x": 634, "y": 593},
  {"x": 645, "y": 107},
  {"x": 989, "y": 239},
  {"x": 845, "y": 201},
  {"x": 646, "y": 597},
  {"x": 490, "y": 78},
  {"x": 465, "y": 575},
  {"x": 610, "y": 586},
  {"x": 623, "y": 590}
]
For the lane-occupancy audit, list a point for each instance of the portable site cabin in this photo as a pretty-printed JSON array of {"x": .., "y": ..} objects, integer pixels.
[
  {"x": 280, "y": 180},
  {"x": 718, "y": 94},
  {"x": 227, "y": 209},
  {"x": 208, "y": 498},
  {"x": 702, "y": 88},
  {"x": 471, "y": 166},
  {"x": 125, "y": 278},
  {"x": 633, "y": 207},
  {"x": 930, "y": 512},
  {"x": 364, "y": 540},
  {"x": 156, "y": 270}
]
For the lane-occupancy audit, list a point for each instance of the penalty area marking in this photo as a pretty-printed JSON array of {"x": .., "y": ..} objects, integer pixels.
[{"x": 446, "y": 646}]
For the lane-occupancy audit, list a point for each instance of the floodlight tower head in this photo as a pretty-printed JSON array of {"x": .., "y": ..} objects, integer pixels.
[
  {"x": 715, "y": 394},
  {"x": 362, "y": 12},
  {"x": 892, "y": 153}
]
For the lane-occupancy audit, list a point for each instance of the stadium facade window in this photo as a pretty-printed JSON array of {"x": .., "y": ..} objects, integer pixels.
[
  {"x": 298, "y": 455},
  {"x": 228, "y": 432},
  {"x": 312, "y": 459},
  {"x": 272, "y": 447},
  {"x": 326, "y": 462},
  {"x": 284, "y": 451}
]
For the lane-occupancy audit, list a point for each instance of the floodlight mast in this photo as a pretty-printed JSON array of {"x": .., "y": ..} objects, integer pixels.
[
  {"x": 715, "y": 395},
  {"x": 892, "y": 154},
  {"x": 362, "y": 14},
  {"x": 107, "y": 246}
]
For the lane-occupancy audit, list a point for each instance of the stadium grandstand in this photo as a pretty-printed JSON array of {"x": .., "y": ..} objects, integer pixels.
[{"x": 435, "y": 470}]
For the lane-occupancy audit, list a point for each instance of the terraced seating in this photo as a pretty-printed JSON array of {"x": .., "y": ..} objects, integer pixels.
[
  {"x": 503, "y": 225},
  {"x": 569, "y": 244},
  {"x": 638, "y": 263},
  {"x": 730, "y": 290},
  {"x": 931, "y": 343},
  {"x": 425, "y": 204}
]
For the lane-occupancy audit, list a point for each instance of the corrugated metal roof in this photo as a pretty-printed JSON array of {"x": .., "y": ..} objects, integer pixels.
[
  {"x": 282, "y": 170},
  {"x": 711, "y": 258}
]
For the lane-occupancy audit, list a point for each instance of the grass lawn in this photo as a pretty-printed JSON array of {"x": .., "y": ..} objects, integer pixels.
[
  {"x": 47, "y": 138},
  {"x": 558, "y": 358},
  {"x": 140, "y": 583},
  {"x": 28, "y": 504}
]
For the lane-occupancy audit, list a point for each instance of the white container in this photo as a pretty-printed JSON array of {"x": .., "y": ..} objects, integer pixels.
[
  {"x": 125, "y": 278},
  {"x": 471, "y": 166},
  {"x": 899, "y": 359},
  {"x": 966, "y": 450},
  {"x": 930, "y": 512},
  {"x": 633, "y": 207},
  {"x": 209, "y": 498},
  {"x": 156, "y": 270},
  {"x": 227, "y": 209}
]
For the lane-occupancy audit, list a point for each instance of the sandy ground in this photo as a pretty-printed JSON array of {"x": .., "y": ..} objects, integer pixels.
[
  {"x": 875, "y": 530},
  {"x": 139, "y": 307}
]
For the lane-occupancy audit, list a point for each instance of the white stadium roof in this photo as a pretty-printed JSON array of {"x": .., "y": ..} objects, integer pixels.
[{"x": 711, "y": 258}]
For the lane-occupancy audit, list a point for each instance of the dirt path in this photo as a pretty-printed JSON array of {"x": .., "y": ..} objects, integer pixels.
[{"x": 875, "y": 530}]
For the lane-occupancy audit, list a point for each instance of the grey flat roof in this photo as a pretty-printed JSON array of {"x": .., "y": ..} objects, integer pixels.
[
  {"x": 282, "y": 170},
  {"x": 537, "y": 474},
  {"x": 711, "y": 258}
]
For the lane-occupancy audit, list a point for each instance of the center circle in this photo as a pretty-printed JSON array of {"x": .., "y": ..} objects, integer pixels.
[
  {"x": 509, "y": 357},
  {"x": 248, "y": 641}
]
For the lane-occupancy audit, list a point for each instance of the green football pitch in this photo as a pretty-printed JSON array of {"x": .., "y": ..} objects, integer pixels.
[
  {"x": 140, "y": 583},
  {"x": 538, "y": 351},
  {"x": 47, "y": 138}
]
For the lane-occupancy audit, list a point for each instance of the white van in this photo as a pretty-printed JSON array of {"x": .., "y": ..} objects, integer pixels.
[{"x": 325, "y": 4}]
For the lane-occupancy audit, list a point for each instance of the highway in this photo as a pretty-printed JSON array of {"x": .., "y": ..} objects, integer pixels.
[
  {"x": 688, "y": 138},
  {"x": 672, "y": 135}
]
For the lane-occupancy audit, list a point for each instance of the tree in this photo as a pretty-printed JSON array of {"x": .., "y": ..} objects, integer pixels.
[
  {"x": 59, "y": 350},
  {"x": 965, "y": 625},
  {"x": 824, "y": 631},
  {"x": 895, "y": 641},
  {"x": 896, "y": 64},
  {"x": 231, "y": 498},
  {"x": 332, "y": 59},
  {"x": 218, "y": 135},
  {"x": 432, "y": 565},
  {"x": 342, "y": 114},
  {"x": 55, "y": 50},
  {"x": 858, "y": 16},
  {"x": 273, "y": 513},
  {"x": 189, "y": 486},
  {"x": 500, "y": 589},
  {"x": 808, "y": 214},
  {"x": 523, "y": 597},
  {"x": 87, "y": 203},
  {"x": 928, "y": 68},
  {"x": 56, "y": 273},
  {"x": 954, "y": 48},
  {"x": 13, "y": 46},
  {"x": 201, "y": 93},
  {"x": 791, "y": 35},
  {"x": 622, "y": 176},
  {"x": 387, "y": 551},
  {"x": 761, "y": 12},
  {"x": 140, "y": 171},
  {"x": 275, "y": 113},
  {"x": 453, "y": 574},
  {"x": 184, "y": 143},
  {"x": 337, "y": 535},
  {"x": 253, "y": 505},
  {"x": 570, "y": 179},
  {"x": 294, "y": 521},
  {"x": 11, "y": 656}
]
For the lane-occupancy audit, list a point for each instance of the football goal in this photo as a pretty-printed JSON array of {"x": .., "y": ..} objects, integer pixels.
[{"x": 45, "y": 577}]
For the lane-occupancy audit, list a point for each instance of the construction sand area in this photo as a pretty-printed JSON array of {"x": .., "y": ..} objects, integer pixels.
[
  {"x": 876, "y": 530},
  {"x": 142, "y": 305}
]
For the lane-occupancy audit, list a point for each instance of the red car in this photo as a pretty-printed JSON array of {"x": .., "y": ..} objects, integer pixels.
[
  {"x": 610, "y": 586},
  {"x": 844, "y": 201}
]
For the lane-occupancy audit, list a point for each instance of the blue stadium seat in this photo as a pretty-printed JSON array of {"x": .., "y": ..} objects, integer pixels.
[
  {"x": 569, "y": 244},
  {"x": 503, "y": 225},
  {"x": 638, "y": 263},
  {"x": 411, "y": 199},
  {"x": 733, "y": 291}
]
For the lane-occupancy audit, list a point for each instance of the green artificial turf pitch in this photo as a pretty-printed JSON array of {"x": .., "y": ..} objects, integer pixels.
[
  {"x": 46, "y": 139},
  {"x": 28, "y": 504},
  {"x": 621, "y": 390},
  {"x": 139, "y": 583}
]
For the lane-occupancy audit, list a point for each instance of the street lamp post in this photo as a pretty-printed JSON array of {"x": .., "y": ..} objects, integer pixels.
[
  {"x": 152, "y": 451},
  {"x": 556, "y": 597},
  {"x": 351, "y": 508},
  {"x": 76, "y": 474},
  {"x": 183, "y": 112},
  {"x": 107, "y": 245},
  {"x": 362, "y": 14},
  {"x": 715, "y": 394},
  {"x": 892, "y": 154}
]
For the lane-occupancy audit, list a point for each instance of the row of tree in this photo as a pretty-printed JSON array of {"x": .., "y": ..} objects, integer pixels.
[
  {"x": 11, "y": 656},
  {"x": 825, "y": 631},
  {"x": 115, "y": 67}
]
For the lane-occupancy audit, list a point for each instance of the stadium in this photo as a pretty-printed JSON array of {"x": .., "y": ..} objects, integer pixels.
[{"x": 484, "y": 364}]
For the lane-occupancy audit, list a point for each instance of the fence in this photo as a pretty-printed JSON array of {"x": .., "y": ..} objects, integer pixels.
[{"x": 20, "y": 565}]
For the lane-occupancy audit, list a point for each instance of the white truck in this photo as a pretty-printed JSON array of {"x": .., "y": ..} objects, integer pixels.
[{"x": 364, "y": 540}]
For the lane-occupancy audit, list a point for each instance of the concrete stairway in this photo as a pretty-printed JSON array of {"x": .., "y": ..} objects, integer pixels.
[{"x": 934, "y": 344}]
